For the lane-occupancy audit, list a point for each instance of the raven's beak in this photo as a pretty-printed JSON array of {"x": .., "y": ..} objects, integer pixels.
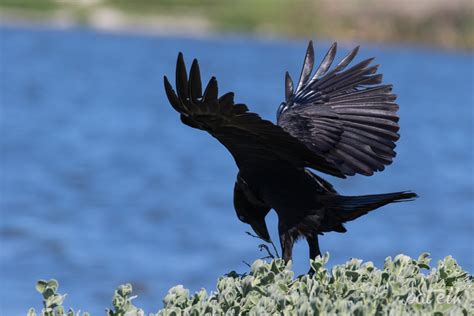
[{"x": 260, "y": 228}]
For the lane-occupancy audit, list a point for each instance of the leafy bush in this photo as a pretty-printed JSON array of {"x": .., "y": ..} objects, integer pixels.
[{"x": 354, "y": 288}]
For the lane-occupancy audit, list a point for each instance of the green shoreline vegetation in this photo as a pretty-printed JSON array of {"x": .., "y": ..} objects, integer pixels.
[
  {"x": 404, "y": 286},
  {"x": 448, "y": 24}
]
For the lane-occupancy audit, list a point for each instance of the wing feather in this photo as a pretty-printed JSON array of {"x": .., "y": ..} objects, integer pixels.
[
  {"x": 288, "y": 86},
  {"x": 344, "y": 115},
  {"x": 307, "y": 66},
  {"x": 346, "y": 60},
  {"x": 325, "y": 63},
  {"x": 195, "y": 85},
  {"x": 181, "y": 78}
]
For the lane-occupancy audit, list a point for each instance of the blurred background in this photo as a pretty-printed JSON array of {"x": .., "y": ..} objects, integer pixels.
[{"x": 101, "y": 184}]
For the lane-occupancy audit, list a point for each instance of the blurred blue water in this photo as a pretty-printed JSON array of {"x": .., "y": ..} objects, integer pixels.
[{"x": 101, "y": 184}]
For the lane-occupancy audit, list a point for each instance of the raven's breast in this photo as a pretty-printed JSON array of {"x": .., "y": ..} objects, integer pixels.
[{"x": 288, "y": 190}]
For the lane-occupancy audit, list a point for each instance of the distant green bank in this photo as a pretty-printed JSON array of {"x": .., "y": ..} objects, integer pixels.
[
  {"x": 448, "y": 24},
  {"x": 404, "y": 286}
]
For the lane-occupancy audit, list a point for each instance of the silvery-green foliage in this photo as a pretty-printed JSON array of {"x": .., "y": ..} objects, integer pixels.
[
  {"x": 403, "y": 286},
  {"x": 52, "y": 300},
  {"x": 122, "y": 303},
  {"x": 356, "y": 288}
]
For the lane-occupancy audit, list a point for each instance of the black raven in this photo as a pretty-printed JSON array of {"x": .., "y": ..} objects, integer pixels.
[{"x": 340, "y": 121}]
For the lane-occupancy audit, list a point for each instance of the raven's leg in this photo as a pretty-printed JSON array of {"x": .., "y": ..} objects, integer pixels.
[
  {"x": 314, "y": 250},
  {"x": 313, "y": 244},
  {"x": 286, "y": 242}
]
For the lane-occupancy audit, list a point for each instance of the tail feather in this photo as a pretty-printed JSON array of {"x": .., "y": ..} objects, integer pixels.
[{"x": 348, "y": 208}]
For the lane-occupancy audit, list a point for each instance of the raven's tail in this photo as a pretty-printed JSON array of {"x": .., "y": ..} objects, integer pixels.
[{"x": 348, "y": 208}]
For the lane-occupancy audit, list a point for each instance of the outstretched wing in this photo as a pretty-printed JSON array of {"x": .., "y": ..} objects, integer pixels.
[
  {"x": 252, "y": 141},
  {"x": 342, "y": 114}
]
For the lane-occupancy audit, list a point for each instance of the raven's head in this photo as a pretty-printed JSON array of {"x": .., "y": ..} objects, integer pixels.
[{"x": 249, "y": 210}]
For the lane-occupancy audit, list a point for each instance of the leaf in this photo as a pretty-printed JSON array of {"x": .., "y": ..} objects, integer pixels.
[
  {"x": 41, "y": 286},
  {"x": 49, "y": 292},
  {"x": 53, "y": 284}
]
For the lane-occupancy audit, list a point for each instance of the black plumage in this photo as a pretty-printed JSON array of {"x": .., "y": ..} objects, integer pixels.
[
  {"x": 340, "y": 121},
  {"x": 344, "y": 115}
]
